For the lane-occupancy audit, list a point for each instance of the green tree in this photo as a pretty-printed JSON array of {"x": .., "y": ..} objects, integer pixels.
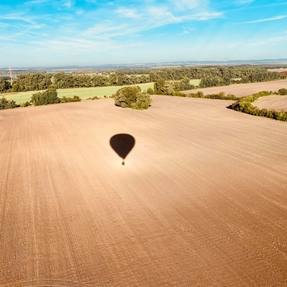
[
  {"x": 4, "y": 85},
  {"x": 47, "y": 97},
  {"x": 32, "y": 82},
  {"x": 132, "y": 97},
  {"x": 6, "y": 104}
]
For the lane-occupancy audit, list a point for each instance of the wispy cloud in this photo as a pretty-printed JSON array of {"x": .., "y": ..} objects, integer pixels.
[
  {"x": 189, "y": 4},
  {"x": 67, "y": 4},
  {"x": 148, "y": 18},
  {"x": 21, "y": 22},
  {"x": 106, "y": 30},
  {"x": 269, "y": 19},
  {"x": 160, "y": 15},
  {"x": 18, "y": 17},
  {"x": 128, "y": 13}
]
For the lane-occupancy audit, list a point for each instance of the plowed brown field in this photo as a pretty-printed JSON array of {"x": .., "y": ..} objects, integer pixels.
[
  {"x": 242, "y": 90},
  {"x": 201, "y": 201},
  {"x": 278, "y": 103}
]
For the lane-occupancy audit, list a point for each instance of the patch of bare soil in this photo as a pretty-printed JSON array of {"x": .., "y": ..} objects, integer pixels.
[
  {"x": 277, "y": 103},
  {"x": 201, "y": 200}
]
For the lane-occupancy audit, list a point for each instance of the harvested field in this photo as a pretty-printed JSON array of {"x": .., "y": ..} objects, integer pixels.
[
  {"x": 201, "y": 200},
  {"x": 242, "y": 90},
  {"x": 277, "y": 103}
]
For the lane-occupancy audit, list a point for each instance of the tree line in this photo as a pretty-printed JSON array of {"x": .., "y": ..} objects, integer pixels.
[{"x": 210, "y": 76}]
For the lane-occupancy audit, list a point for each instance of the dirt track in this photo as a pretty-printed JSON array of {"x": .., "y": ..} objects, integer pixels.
[
  {"x": 278, "y": 103},
  {"x": 242, "y": 90},
  {"x": 201, "y": 201}
]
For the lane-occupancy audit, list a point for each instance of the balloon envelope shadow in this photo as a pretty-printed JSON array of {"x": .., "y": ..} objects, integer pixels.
[{"x": 122, "y": 144}]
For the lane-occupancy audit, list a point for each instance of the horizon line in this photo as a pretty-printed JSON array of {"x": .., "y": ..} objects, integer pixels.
[{"x": 160, "y": 63}]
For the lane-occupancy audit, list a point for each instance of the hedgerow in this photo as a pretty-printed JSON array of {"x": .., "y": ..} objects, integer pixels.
[
  {"x": 70, "y": 99},
  {"x": 219, "y": 96},
  {"x": 245, "y": 105},
  {"x": 93, "y": 98}
]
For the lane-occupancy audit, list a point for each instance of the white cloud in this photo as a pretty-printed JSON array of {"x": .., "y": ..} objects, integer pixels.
[
  {"x": 161, "y": 15},
  {"x": 128, "y": 13},
  {"x": 106, "y": 30},
  {"x": 204, "y": 16}
]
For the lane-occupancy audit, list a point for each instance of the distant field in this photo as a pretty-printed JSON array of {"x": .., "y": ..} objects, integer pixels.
[
  {"x": 278, "y": 103},
  {"x": 195, "y": 82},
  {"x": 279, "y": 70},
  {"x": 242, "y": 90},
  {"x": 83, "y": 93}
]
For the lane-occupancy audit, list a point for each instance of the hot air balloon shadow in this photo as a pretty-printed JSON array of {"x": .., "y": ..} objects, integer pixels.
[{"x": 122, "y": 144}]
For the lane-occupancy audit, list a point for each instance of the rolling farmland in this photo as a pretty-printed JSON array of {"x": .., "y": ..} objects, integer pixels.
[
  {"x": 201, "y": 200},
  {"x": 143, "y": 143}
]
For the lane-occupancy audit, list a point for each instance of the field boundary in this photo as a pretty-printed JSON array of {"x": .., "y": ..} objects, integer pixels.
[{"x": 245, "y": 105}]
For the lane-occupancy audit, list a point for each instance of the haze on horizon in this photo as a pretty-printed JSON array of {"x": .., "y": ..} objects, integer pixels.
[{"x": 94, "y": 32}]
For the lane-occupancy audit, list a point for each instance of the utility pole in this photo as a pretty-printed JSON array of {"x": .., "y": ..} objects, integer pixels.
[{"x": 11, "y": 75}]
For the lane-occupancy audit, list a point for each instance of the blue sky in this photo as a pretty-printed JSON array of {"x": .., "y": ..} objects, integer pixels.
[{"x": 94, "y": 32}]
